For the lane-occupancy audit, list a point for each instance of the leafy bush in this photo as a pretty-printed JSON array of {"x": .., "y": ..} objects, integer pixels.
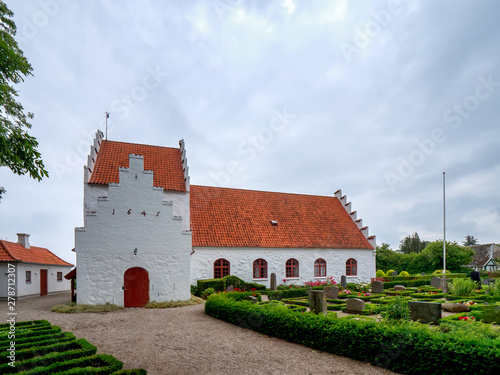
[
  {"x": 404, "y": 274},
  {"x": 440, "y": 272},
  {"x": 235, "y": 281},
  {"x": 216, "y": 284},
  {"x": 380, "y": 273},
  {"x": 389, "y": 273},
  {"x": 255, "y": 286},
  {"x": 463, "y": 287},
  {"x": 207, "y": 292},
  {"x": 396, "y": 309}
]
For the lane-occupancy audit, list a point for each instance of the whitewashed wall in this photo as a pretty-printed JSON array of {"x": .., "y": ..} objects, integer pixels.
[
  {"x": 33, "y": 289},
  {"x": 105, "y": 246},
  {"x": 241, "y": 263}
]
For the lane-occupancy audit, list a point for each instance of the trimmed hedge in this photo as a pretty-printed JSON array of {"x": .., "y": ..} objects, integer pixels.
[
  {"x": 25, "y": 324},
  {"x": 32, "y": 339},
  {"x": 95, "y": 364},
  {"x": 410, "y": 348},
  {"x": 44, "y": 341},
  {"x": 223, "y": 283},
  {"x": 86, "y": 349}
]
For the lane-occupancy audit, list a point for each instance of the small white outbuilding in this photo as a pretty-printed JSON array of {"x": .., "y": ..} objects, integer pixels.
[{"x": 30, "y": 270}]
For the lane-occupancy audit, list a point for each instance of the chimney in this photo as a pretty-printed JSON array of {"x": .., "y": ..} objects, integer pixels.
[{"x": 24, "y": 239}]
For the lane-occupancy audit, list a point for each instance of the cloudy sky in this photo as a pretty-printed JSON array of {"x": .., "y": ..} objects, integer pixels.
[{"x": 376, "y": 98}]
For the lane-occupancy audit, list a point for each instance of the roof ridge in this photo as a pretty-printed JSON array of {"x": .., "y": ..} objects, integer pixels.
[
  {"x": 265, "y": 191},
  {"x": 6, "y": 248},
  {"x": 140, "y": 144}
]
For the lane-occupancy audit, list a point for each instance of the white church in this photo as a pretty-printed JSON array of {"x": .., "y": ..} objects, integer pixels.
[{"x": 148, "y": 234}]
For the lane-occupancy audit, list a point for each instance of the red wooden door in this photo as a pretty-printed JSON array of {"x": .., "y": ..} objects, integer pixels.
[
  {"x": 136, "y": 282},
  {"x": 43, "y": 282}
]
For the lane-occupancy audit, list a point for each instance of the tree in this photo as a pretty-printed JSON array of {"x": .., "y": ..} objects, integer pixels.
[
  {"x": 18, "y": 149},
  {"x": 456, "y": 255},
  {"x": 470, "y": 240},
  {"x": 412, "y": 244}
]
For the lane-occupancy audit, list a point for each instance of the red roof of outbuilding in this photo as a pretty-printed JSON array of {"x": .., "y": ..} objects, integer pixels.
[
  {"x": 165, "y": 162},
  {"x": 15, "y": 252},
  {"x": 223, "y": 217}
]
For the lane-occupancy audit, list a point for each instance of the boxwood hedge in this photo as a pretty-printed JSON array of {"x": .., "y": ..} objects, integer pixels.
[{"x": 410, "y": 348}]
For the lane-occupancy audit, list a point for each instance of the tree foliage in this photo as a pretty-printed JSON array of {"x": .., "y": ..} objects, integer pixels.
[
  {"x": 412, "y": 244},
  {"x": 456, "y": 255},
  {"x": 18, "y": 149},
  {"x": 470, "y": 240},
  {"x": 428, "y": 260}
]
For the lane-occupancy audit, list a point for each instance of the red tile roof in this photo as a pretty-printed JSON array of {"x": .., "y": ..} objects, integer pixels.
[
  {"x": 15, "y": 252},
  {"x": 223, "y": 217},
  {"x": 165, "y": 162}
]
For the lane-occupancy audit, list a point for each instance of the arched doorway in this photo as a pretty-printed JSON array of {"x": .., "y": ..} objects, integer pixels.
[{"x": 136, "y": 291}]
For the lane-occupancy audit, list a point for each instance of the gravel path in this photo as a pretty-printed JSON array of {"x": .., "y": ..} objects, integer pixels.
[{"x": 184, "y": 340}]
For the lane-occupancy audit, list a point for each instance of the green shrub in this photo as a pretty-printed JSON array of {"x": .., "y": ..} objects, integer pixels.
[
  {"x": 389, "y": 273},
  {"x": 440, "y": 272},
  {"x": 410, "y": 348},
  {"x": 256, "y": 286},
  {"x": 216, "y": 284},
  {"x": 207, "y": 292},
  {"x": 380, "y": 273},
  {"x": 234, "y": 281},
  {"x": 396, "y": 309},
  {"x": 463, "y": 287},
  {"x": 404, "y": 274}
]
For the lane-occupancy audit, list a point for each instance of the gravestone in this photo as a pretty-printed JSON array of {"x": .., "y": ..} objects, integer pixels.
[
  {"x": 435, "y": 282},
  {"x": 377, "y": 287},
  {"x": 423, "y": 273},
  {"x": 399, "y": 287},
  {"x": 230, "y": 288},
  {"x": 354, "y": 305},
  {"x": 394, "y": 273},
  {"x": 250, "y": 298},
  {"x": 425, "y": 312},
  {"x": 273, "y": 282},
  {"x": 331, "y": 292},
  {"x": 317, "y": 301},
  {"x": 343, "y": 281},
  {"x": 455, "y": 307},
  {"x": 474, "y": 275},
  {"x": 487, "y": 281},
  {"x": 444, "y": 285}
]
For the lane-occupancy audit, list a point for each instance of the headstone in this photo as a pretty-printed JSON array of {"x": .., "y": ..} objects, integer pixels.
[
  {"x": 317, "y": 301},
  {"x": 250, "y": 298},
  {"x": 273, "y": 282},
  {"x": 354, "y": 305},
  {"x": 230, "y": 288},
  {"x": 487, "y": 281},
  {"x": 331, "y": 292},
  {"x": 444, "y": 285},
  {"x": 423, "y": 273},
  {"x": 425, "y": 312},
  {"x": 399, "y": 287},
  {"x": 394, "y": 273},
  {"x": 455, "y": 307},
  {"x": 343, "y": 281},
  {"x": 435, "y": 282},
  {"x": 377, "y": 287},
  {"x": 474, "y": 275}
]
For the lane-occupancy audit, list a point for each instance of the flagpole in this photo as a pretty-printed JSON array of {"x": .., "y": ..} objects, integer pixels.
[
  {"x": 107, "y": 116},
  {"x": 444, "y": 224}
]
